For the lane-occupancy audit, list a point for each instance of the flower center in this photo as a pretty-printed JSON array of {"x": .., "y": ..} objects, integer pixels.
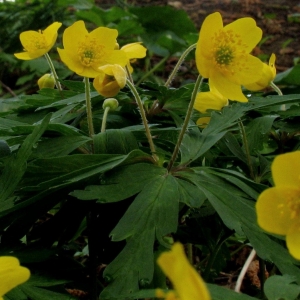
[
  {"x": 224, "y": 55},
  {"x": 35, "y": 42},
  {"x": 228, "y": 50},
  {"x": 90, "y": 52}
]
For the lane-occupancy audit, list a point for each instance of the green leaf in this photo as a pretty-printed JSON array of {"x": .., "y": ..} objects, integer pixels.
[
  {"x": 65, "y": 170},
  {"x": 289, "y": 77},
  {"x": 238, "y": 213},
  {"x": 121, "y": 183},
  {"x": 16, "y": 165},
  {"x": 153, "y": 213},
  {"x": 281, "y": 288},
  {"x": 222, "y": 293},
  {"x": 257, "y": 130},
  {"x": 59, "y": 146}
]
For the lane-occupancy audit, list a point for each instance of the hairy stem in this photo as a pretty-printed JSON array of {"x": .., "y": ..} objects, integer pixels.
[
  {"x": 89, "y": 106},
  {"x": 50, "y": 63},
  {"x": 104, "y": 119},
  {"x": 144, "y": 119},
  {"x": 185, "y": 122},
  {"x": 246, "y": 146},
  {"x": 180, "y": 61}
]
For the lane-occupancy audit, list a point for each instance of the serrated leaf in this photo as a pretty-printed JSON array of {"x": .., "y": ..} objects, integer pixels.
[
  {"x": 153, "y": 213},
  {"x": 281, "y": 288}
]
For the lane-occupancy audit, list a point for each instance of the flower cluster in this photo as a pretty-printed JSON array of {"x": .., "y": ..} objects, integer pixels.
[
  {"x": 92, "y": 54},
  {"x": 278, "y": 208}
]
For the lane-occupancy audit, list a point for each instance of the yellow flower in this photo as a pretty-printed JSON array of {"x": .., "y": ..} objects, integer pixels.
[
  {"x": 210, "y": 100},
  {"x": 85, "y": 52},
  {"x": 133, "y": 51},
  {"x": 222, "y": 54},
  {"x": 46, "y": 81},
  {"x": 186, "y": 281},
  {"x": 11, "y": 274},
  {"x": 278, "y": 207},
  {"x": 38, "y": 43},
  {"x": 268, "y": 75},
  {"x": 110, "y": 80},
  {"x": 203, "y": 122}
]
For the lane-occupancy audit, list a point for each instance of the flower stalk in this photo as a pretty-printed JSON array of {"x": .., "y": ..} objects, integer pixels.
[
  {"x": 50, "y": 63},
  {"x": 180, "y": 61},
  {"x": 246, "y": 146},
  {"x": 89, "y": 106},
  {"x": 105, "y": 114},
  {"x": 144, "y": 119},
  {"x": 185, "y": 122}
]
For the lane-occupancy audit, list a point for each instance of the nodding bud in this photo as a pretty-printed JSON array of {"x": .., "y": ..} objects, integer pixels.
[
  {"x": 112, "y": 103},
  {"x": 117, "y": 46},
  {"x": 46, "y": 81}
]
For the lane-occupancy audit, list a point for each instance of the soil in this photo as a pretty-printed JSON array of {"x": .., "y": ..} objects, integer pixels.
[{"x": 279, "y": 20}]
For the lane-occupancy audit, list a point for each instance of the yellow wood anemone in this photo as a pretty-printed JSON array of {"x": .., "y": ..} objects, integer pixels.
[
  {"x": 85, "y": 52},
  {"x": 278, "y": 207},
  {"x": 223, "y": 54},
  {"x": 38, "y": 43}
]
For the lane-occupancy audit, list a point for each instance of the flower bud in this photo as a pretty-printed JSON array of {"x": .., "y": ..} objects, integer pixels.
[
  {"x": 112, "y": 103},
  {"x": 46, "y": 81}
]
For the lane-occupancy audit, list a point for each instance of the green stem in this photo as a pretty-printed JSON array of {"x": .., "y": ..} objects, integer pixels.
[
  {"x": 104, "y": 119},
  {"x": 152, "y": 70},
  {"x": 88, "y": 106},
  {"x": 144, "y": 119},
  {"x": 246, "y": 146},
  {"x": 128, "y": 73},
  {"x": 180, "y": 61},
  {"x": 279, "y": 92},
  {"x": 50, "y": 63},
  {"x": 276, "y": 88},
  {"x": 190, "y": 253},
  {"x": 185, "y": 122}
]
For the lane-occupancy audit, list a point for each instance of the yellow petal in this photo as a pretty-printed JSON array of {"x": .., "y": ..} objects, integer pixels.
[
  {"x": 105, "y": 36},
  {"x": 11, "y": 274},
  {"x": 209, "y": 100},
  {"x": 293, "y": 240},
  {"x": 249, "y": 33},
  {"x": 273, "y": 208},
  {"x": 73, "y": 35},
  {"x": 134, "y": 50},
  {"x": 272, "y": 64},
  {"x": 71, "y": 61},
  {"x": 286, "y": 169},
  {"x": 186, "y": 281},
  {"x": 30, "y": 55},
  {"x": 227, "y": 88},
  {"x": 211, "y": 25},
  {"x": 248, "y": 69},
  {"x": 203, "y": 122},
  {"x": 50, "y": 33},
  {"x": 116, "y": 57}
]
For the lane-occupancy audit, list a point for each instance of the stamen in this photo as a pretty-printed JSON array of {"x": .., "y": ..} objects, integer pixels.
[{"x": 90, "y": 52}]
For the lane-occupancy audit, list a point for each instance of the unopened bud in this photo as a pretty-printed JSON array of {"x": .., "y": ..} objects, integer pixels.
[
  {"x": 112, "y": 103},
  {"x": 46, "y": 81}
]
